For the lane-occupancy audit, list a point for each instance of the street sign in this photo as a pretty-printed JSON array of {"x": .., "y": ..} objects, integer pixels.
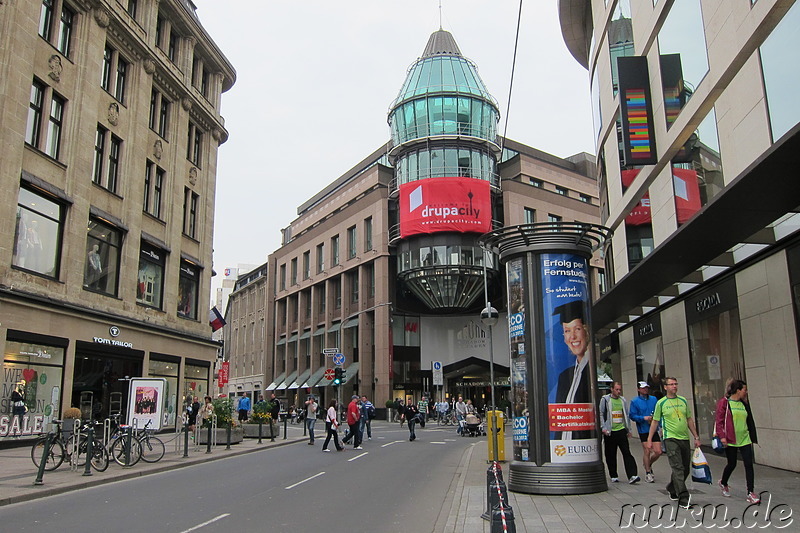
[
  {"x": 329, "y": 372},
  {"x": 330, "y": 351},
  {"x": 438, "y": 377},
  {"x": 338, "y": 359}
]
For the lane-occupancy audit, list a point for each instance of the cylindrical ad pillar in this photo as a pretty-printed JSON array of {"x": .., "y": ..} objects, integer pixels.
[{"x": 556, "y": 434}]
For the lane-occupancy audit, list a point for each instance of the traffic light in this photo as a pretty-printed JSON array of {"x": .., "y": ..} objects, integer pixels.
[
  {"x": 337, "y": 376},
  {"x": 342, "y": 375}
]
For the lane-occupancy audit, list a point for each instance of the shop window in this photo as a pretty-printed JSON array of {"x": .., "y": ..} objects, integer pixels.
[
  {"x": 35, "y": 371},
  {"x": 38, "y": 233},
  {"x": 150, "y": 283},
  {"x": 195, "y": 382},
  {"x": 683, "y": 56},
  {"x": 188, "y": 290},
  {"x": 59, "y": 34},
  {"x": 781, "y": 73},
  {"x": 168, "y": 370},
  {"x": 103, "y": 247},
  {"x": 650, "y": 365}
]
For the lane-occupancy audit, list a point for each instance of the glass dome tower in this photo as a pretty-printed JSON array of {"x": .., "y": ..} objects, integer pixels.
[{"x": 444, "y": 151}]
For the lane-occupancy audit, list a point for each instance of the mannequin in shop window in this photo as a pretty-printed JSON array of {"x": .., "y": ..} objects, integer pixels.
[{"x": 94, "y": 267}]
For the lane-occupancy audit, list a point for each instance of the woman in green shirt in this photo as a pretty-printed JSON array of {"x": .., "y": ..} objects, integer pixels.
[{"x": 737, "y": 430}]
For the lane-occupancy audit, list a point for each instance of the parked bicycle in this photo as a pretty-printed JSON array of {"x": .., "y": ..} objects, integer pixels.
[
  {"x": 143, "y": 444},
  {"x": 61, "y": 449}
]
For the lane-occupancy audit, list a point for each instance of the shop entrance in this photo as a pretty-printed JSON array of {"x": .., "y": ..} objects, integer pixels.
[{"x": 100, "y": 380}]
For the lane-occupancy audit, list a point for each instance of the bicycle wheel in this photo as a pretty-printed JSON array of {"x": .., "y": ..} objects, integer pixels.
[
  {"x": 99, "y": 456},
  {"x": 152, "y": 449},
  {"x": 118, "y": 451},
  {"x": 55, "y": 454}
]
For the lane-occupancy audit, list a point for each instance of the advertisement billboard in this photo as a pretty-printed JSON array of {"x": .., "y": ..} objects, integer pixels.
[
  {"x": 445, "y": 204},
  {"x": 146, "y": 402}
]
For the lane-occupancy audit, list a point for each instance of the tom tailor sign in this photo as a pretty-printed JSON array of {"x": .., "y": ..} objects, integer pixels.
[{"x": 445, "y": 204}]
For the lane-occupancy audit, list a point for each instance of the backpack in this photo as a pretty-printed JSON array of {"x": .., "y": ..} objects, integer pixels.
[{"x": 371, "y": 412}]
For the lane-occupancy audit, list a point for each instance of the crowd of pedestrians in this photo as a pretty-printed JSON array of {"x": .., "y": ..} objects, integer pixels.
[{"x": 667, "y": 426}]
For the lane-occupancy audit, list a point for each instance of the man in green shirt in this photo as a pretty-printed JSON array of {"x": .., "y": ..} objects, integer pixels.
[
  {"x": 616, "y": 426},
  {"x": 675, "y": 415}
]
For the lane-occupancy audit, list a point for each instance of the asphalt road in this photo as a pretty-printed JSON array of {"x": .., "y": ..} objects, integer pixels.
[{"x": 391, "y": 485}]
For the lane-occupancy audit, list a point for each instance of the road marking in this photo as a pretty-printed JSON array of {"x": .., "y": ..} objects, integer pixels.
[
  {"x": 207, "y": 522},
  {"x": 390, "y": 443},
  {"x": 307, "y": 479},
  {"x": 357, "y": 456},
  {"x": 438, "y": 442}
]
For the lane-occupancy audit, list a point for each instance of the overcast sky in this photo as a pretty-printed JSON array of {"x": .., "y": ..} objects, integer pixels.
[{"x": 315, "y": 79}]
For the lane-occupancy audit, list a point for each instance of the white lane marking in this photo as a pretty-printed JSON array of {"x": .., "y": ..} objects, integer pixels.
[
  {"x": 207, "y": 522},
  {"x": 357, "y": 456},
  {"x": 306, "y": 479},
  {"x": 390, "y": 443},
  {"x": 436, "y": 442}
]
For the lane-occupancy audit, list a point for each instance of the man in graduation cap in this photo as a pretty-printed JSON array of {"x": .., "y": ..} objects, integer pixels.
[{"x": 573, "y": 383}]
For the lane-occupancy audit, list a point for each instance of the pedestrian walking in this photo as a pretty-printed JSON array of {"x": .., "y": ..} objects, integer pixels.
[
  {"x": 276, "y": 407},
  {"x": 353, "y": 420},
  {"x": 243, "y": 407},
  {"x": 441, "y": 409},
  {"x": 675, "y": 415},
  {"x": 367, "y": 414},
  {"x": 411, "y": 413},
  {"x": 735, "y": 427},
  {"x": 422, "y": 407},
  {"x": 461, "y": 412},
  {"x": 332, "y": 428},
  {"x": 642, "y": 408},
  {"x": 311, "y": 417},
  {"x": 615, "y": 423}
]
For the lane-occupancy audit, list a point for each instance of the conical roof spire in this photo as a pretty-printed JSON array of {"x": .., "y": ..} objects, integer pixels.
[{"x": 441, "y": 42}]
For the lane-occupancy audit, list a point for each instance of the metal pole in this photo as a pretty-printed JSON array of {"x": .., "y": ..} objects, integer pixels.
[
  {"x": 128, "y": 439},
  {"x": 186, "y": 438},
  {"x": 285, "y": 425},
  {"x": 228, "y": 435},
  {"x": 43, "y": 462},
  {"x": 271, "y": 430},
  {"x": 208, "y": 439},
  {"x": 491, "y": 360},
  {"x": 260, "y": 422},
  {"x": 87, "y": 471}
]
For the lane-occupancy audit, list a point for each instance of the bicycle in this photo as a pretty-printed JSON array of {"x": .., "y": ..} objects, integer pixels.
[
  {"x": 118, "y": 440},
  {"x": 152, "y": 448},
  {"x": 60, "y": 450}
]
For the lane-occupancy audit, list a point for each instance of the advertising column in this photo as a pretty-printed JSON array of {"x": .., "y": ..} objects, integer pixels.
[{"x": 555, "y": 435}]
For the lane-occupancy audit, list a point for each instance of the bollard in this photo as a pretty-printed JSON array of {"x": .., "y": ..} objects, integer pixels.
[
  {"x": 494, "y": 486},
  {"x": 87, "y": 470},
  {"x": 260, "y": 422},
  {"x": 128, "y": 439},
  {"x": 285, "y": 423},
  {"x": 43, "y": 462},
  {"x": 228, "y": 436},
  {"x": 186, "y": 440},
  {"x": 271, "y": 431},
  {"x": 208, "y": 439},
  {"x": 503, "y": 519}
]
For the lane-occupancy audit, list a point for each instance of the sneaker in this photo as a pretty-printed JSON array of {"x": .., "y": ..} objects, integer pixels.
[
  {"x": 650, "y": 478},
  {"x": 726, "y": 491},
  {"x": 673, "y": 496},
  {"x": 752, "y": 497},
  {"x": 325, "y": 450},
  {"x": 358, "y": 448},
  {"x": 614, "y": 480},
  {"x": 686, "y": 505},
  {"x": 634, "y": 479},
  {"x": 310, "y": 443},
  {"x": 369, "y": 438}
]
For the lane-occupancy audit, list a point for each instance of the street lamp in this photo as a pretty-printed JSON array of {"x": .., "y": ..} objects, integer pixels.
[{"x": 489, "y": 317}]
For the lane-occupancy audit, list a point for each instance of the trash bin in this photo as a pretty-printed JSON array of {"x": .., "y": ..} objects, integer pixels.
[{"x": 491, "y": 418}]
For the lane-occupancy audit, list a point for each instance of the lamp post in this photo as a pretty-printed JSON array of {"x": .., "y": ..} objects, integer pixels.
[{"x": 489, "y": 317}]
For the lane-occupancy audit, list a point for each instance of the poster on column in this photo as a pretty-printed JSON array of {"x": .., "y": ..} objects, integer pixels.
[
  {"x": 519, "y": 359},
  {"x": 569, "y": 358}
]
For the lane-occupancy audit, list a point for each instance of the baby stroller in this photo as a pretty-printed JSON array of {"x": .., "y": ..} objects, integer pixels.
[{"x": 472, "y": 426}]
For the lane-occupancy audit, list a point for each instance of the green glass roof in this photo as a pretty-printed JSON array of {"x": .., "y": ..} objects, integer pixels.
[{"x": 442, "y": 69}]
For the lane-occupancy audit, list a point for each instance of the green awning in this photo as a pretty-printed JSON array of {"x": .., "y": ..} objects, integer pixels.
[
  {"x": 288, "y": 380},
  {"x": 306, "y": 334},
  {"x": 314, "y": 379},
  {"x": 300, "y": 379},
  {"x": 281, "y": 341},
  {"x": 277, "y": 381},
  {"x": 353, "y": 322},
  {"x": 320, "y": 331},
  {"x": 335, "y": 327}
]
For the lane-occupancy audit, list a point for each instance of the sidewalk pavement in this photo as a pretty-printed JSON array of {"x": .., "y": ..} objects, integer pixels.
[{"x": 623, "y": 505}]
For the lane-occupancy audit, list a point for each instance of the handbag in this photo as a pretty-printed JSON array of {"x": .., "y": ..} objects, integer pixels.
[
  {"x": 701, "y": 472},
  {"x": 717, "y": 444}
]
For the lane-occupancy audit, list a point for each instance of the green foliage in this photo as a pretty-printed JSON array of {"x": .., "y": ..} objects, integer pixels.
[
  {"x": 223, "y": 409},
  {"x": 261, "y": 412},
  {"x": 390, "y": 404}
]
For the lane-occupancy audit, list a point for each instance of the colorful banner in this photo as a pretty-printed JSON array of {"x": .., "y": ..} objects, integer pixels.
[
  {"x": 568, "y": 350},
  {"x": 519, "y": 359},
  {"x": 687, "y": 196},
  {"x": 636, "y": 110},
  {"x": 224, "y": 372},
  {"x": 146, "y": 402},
  {"x": 456, "y": 204}
]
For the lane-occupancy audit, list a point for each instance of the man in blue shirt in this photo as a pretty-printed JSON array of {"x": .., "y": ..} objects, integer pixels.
[
  {"x": 367, "y": 414},
  {"x": 641, "y": 412},
  {"x": 244, "y": 407}
]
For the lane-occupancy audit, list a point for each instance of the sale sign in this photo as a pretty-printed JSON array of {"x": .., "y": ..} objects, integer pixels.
[
  {"x": 445, "y": 204},
  {"x": 222, "y": 378}
]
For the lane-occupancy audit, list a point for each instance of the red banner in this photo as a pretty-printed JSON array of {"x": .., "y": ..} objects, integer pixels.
[
  {"x": 570, "y": 416},
  {"x": 687, "y": 196},
  {"x": 456, "y": 204},
  {"x": 222, "y": 378}
]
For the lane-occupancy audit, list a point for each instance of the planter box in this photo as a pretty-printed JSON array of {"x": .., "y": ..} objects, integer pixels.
[
  {"x": 221, "y": 435},
  {"x": 251, "y": 430}
]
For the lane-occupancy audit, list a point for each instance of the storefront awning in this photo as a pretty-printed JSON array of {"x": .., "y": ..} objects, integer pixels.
[
  {"x": 277, "y": 382},
  {"x": 300, "y": 379},
  {"x": 335, "y": 327},
  {"x": 306, "y": 334},
  {"x": 282, "y": 341},
  {"x": 293, "y": 338},
  {"x": 314, "y": 379},
  {"x": 288, "y": 381},
  {"x": 320, "y": 331},
  {"x": 353, "y": 322}
]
